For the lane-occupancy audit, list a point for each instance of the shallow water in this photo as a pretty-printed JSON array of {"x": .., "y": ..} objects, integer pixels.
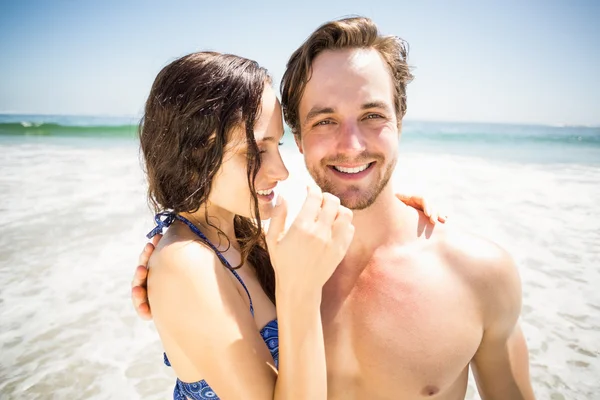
[{"x": 74, "y": 218}]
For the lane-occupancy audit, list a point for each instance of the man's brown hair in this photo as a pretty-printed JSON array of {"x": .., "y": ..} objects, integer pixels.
[{"x": 347, "y": 33}]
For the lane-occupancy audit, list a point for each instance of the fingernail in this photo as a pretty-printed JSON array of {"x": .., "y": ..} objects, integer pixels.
[{"x": 278, "y": 199}]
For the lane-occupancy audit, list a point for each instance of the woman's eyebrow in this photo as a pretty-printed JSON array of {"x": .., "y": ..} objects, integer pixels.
[{"x": 270, "y": 138}]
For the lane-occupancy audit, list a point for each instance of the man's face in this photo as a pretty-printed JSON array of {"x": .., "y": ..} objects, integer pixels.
[{"x": 348, "y": 127}]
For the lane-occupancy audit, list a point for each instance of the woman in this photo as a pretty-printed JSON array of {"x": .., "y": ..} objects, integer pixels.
[{"x": 210, "y": 138}]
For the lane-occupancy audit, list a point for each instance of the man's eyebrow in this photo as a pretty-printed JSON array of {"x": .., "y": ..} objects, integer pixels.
[
  {"x": 377, "y": 104},
  {"x": 316, "y": 111}
]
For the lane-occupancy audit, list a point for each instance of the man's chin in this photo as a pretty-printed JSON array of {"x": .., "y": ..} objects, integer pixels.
[
  {"x": 352, "y": 198},
  {"x": 357, "y": 195},
  {"x": 356, "y": 201}
]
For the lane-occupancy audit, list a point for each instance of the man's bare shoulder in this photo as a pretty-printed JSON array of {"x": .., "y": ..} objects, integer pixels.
[
  {"x": 473, "y": 251},
  {"x": 485, "y": 266},
  {"x": 476, "y": 258}
]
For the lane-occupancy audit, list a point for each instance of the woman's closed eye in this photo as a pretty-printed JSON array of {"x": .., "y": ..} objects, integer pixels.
[{"x": 264, "y": 150}]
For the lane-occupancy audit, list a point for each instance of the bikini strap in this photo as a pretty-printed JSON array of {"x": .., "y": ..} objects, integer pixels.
[{"x": 165, "y": 219}]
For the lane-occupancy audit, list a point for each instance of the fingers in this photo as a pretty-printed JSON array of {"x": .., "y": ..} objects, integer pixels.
[
  {"x": 145, "y": 255},
  {"x": 422, "y": 204},
  {"x": 329, "y": 210},
  {"x": 277, "y": 223},
  {"x": 312, "y": 205},
  {"x": 141, "y": 273},
  {"x": 343, "y": 230},
  {"x": 405, "y": 198},
  {"x": 139, "y": 296},
  {"x": 144, "y": 311},
  {"x": 432, "y": 214},
  {"x": 140, "y": 277},
  {"x": 155, "y": 239},
  {"x": 344, "y": 215},
  {"x": 419, "y": 203}
]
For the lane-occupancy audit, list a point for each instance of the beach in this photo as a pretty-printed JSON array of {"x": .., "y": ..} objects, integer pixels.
[{"x": 74, "y": 217}]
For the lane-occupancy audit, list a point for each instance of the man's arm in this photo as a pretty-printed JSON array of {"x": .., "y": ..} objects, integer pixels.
[{"x": 501, "y": 364}]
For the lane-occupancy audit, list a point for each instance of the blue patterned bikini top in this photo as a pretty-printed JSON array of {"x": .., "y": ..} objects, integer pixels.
[{"x": 200, "y": 390}]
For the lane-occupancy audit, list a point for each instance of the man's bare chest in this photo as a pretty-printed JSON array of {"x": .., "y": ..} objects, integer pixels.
[{"x": 408, "y": 328}]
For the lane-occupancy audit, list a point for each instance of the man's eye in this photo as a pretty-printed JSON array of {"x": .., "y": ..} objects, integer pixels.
[
  {"x": 324, "y": 122},
  {"x": 280, "y": 144},
  {"x": 372, "y": 116}
]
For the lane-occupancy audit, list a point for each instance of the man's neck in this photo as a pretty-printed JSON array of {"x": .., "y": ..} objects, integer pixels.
[{"x": 377, "y": 225}]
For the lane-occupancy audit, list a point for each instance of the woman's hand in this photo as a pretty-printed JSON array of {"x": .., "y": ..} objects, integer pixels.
[{"x": 306, "y": 255}]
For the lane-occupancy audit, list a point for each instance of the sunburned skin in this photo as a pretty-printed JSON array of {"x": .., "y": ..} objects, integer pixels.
[{"x": 406, "y": 323}]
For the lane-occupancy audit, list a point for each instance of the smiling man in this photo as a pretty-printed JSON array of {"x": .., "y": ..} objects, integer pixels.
[
  {"x": 411, "y": 306},
  {"x": 346, "y": 126}
]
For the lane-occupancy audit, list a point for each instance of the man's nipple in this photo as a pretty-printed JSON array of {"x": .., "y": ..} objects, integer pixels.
[{"x": 430, "y": 390}]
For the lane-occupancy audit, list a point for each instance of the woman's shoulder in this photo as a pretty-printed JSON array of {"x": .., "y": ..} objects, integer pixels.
[
  {"x": 183, "y": 256},
  {"x": 183, "y": 269}
]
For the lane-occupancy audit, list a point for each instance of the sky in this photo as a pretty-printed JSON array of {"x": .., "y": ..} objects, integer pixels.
[{"x": 533, "y": 62}]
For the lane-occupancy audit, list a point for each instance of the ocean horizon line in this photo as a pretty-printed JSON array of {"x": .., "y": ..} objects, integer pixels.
[{"x": 137, "y": 119}]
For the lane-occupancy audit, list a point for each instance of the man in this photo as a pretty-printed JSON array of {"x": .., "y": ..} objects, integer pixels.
[{"x": 410, "y": 307}]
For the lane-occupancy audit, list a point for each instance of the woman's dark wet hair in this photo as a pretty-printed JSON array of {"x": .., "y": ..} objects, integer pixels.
[{"x": 193, "y": 107}]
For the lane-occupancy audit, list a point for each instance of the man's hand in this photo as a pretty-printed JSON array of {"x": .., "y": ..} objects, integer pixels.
[
  {"x": 419, "y": 203},
  {"x": 139, "y": 294}
]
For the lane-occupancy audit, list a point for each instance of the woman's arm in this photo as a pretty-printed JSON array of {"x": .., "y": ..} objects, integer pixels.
[
  {"x": 304, "y": 259},
  {"x": 205, "y": 324}
]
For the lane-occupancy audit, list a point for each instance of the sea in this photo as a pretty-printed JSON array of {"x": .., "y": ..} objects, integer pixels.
[{"x": 74, "y": 214}]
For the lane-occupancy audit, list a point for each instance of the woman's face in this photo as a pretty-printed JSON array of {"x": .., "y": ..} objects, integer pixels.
[{"x": 230, "y": 190}]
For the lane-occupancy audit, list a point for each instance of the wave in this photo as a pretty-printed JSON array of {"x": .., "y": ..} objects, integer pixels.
[
  {"x": 28, "y": 128},
  {"x": 502, "y": 134},
  {"x": 464, "y": 133},
  {"x": 486, "y": 138}
]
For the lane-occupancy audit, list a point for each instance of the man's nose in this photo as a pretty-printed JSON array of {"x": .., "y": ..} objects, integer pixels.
[{"x": 350, "y": 139}]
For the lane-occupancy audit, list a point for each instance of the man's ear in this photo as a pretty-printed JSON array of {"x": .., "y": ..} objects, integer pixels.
[{"x": 298, "y": 141}]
